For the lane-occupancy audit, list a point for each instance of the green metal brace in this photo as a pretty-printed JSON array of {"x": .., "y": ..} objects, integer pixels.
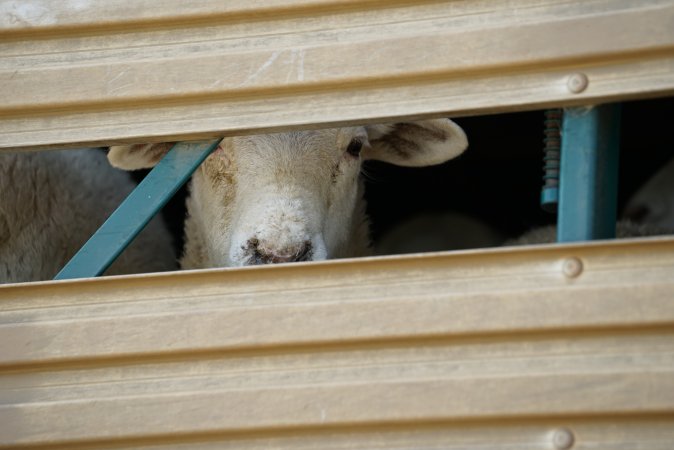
[
  {"x": 137, "y": 209},
  {"x": 588, "y": 183}
]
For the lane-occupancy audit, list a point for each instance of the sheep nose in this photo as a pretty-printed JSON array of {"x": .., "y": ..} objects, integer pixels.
[{"x": 265, "y": 254}]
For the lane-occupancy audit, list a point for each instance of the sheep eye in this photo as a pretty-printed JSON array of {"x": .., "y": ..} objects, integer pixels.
[{"x": 354, "y": 148}]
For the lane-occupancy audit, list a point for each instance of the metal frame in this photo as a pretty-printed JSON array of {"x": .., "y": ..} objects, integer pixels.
[
  {"x": 137, "y": 210},
  {"x": 589, "y": 173}
]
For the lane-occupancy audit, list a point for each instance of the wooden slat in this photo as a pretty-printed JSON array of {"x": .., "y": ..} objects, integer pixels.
[
  {"x": 91, "y": 72},
  {"x": 29, "y": 16},
  {"x": 475, "y": 349}
]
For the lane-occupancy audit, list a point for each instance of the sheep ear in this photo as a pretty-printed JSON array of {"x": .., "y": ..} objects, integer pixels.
[
  {"x": 140, "y": 156},
  {"x": 416, "y": 144}
]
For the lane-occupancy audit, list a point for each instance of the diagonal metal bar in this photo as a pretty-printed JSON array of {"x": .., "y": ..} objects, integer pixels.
[{"x": 137, "y": 210}]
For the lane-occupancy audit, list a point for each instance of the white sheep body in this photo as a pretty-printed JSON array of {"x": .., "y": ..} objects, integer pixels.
[
  {"x": 53, "y": 201},
  {"x": 653, "y": 203}
]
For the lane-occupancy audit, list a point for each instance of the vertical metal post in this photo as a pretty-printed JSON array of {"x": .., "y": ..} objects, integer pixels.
[
  {"x": 589, "y": 173},
  {"x": 137, "y": 209}
]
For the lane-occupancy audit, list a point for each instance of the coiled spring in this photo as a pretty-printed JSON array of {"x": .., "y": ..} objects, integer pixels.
[{"x": 551, "y": 159}]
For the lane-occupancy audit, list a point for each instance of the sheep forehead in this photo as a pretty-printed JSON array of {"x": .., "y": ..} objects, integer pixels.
[
  {"x": 309, "y": 147},
  {"x": 290, "y": 162}
]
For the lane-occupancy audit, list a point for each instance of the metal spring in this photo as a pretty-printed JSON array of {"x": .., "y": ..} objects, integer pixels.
[{"x": 551, "y": 157}]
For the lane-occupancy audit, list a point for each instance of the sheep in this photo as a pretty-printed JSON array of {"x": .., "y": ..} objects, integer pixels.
[
  {"x": 653, "y": 203},
  {"x": 52, "y": 202},
  {"x": 293, "y": 196},
  {"x": 435, "y": 231},
  {"x": 649, "y": 212}
]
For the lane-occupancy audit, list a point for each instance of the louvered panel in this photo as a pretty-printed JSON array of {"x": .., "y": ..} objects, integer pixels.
[
  {"x": 100, "y": 71},
  {"x": 475, "y": 349}
]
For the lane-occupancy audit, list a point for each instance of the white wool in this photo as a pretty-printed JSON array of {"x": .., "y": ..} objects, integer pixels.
[
  {"x": 53, "y": 201},
  {"x": 653, "y": 203}
]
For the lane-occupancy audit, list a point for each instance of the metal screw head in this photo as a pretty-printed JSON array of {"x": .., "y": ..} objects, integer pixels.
[
  {"x": 563, "y": 439},
  {"x": 577, "y": 83},
  {"x": 572, "y": 267}
]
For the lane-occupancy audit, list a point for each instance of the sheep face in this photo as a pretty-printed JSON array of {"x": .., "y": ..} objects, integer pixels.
[{"x": 292, "y": 196}]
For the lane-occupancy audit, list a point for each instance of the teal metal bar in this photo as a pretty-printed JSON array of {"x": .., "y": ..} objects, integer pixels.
[
  {"x": 137, "y": 210},
  {"x": 589, "y": 173}
]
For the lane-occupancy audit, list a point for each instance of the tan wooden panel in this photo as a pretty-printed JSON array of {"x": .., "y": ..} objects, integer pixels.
[
  {"x": 474, "y": 349},
  {"x": 83, "y": 72},
  {"x": 28, "y": 16},
  {"x": 617, "y": 433}
]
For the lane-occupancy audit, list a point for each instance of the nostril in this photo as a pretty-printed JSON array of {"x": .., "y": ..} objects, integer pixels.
[
  {"x": 262, "y": 254},
  {"x": 304, "y": 252}
]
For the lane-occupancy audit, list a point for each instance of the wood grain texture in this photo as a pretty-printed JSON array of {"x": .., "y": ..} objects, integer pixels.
[
  {"x": 96, "y": 72},
  {"x": 474, "y": 349}
]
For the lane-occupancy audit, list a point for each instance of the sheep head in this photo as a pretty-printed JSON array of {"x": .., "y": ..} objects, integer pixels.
[{"x": 293, "y": 196}]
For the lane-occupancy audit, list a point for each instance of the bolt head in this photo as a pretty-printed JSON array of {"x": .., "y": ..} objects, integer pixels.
[
  {"x": 577, "y": 83},
  {"x": 572, "y": 267},
  {"x": 563, "y": 439}
]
